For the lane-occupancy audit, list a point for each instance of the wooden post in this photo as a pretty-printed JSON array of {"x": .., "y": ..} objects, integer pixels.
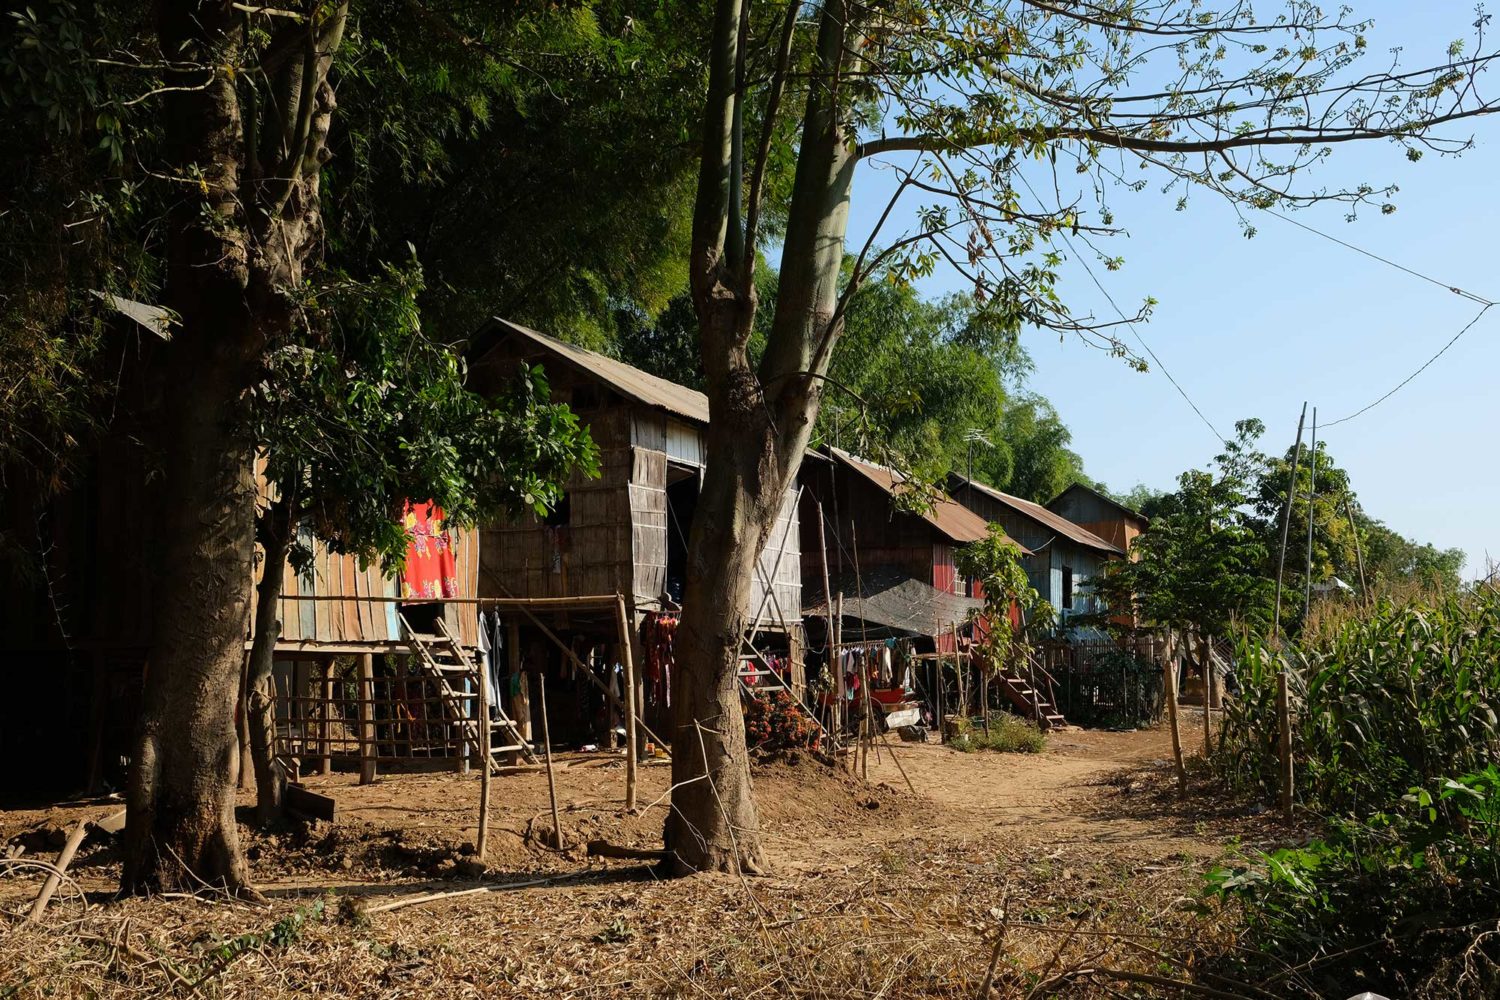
[
  {"x": 242, "y": 728},
  {"x": 869, "y": 719},
  {"x": 366, "y": 718},
  {"x": 961, "y": 675},
  {"x": 632, "y": 746},
  {"x": 1170, "y": 676},
  {"x": 942, "y": 708},
  {"x": 520, "y": 705},
  {"x": 485, "y": 762},
  {"x": 1208, "y": 685},
  {"x": 325, "y": 720},
  {"x": 1284, "y": 728},
  {"x": 541, "y": 686}
]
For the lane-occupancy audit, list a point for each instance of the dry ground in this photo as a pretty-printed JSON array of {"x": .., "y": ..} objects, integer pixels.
[{"x": 1079, "y": 858}]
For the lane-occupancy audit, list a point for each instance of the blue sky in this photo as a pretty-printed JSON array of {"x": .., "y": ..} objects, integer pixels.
[{"x": 1253, "y": 327}]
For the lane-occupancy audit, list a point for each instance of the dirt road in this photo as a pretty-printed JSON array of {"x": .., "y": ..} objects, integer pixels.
[{"x": 871, "y": 887}]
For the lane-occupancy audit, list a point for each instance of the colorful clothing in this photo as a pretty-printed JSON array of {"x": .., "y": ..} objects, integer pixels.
[{"x": 431, "y": 571}]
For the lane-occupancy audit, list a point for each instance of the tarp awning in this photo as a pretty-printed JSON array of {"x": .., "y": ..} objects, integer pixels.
[{"x": 898, "y": 602}]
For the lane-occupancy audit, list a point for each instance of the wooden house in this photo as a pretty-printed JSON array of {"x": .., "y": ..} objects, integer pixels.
[
  {"x": 77, "y": 613},
  {"x": 1064, "y": 555},
  {"x": 1106, "y": 517},
  {"x": 625, "y": 531},
  {"x": 895, "y": 568}
]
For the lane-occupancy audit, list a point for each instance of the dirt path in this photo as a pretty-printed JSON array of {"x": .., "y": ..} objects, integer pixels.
[{"x": 1084, "y": 828}]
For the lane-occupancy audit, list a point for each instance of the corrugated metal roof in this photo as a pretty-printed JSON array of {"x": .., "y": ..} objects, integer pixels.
[
  {"x": 1131, "y": 511},
  {"x": 1043, "y": 516},
  {"x": 627, "y": 380},
  {"x": 948, "y": 516}
]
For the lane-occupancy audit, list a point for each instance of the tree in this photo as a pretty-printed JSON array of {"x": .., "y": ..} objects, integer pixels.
[
  {"x": 186, "y": 157},
  {"x": 1200, "y": 566},
  {"x": 995, "y": 564},
  {"x": 958, "y": 102},
  {"x": 359, "y": 419},
  {"x": 245, "y": 153}
]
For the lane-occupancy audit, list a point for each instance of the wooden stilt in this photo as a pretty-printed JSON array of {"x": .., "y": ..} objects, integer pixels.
[
  {"x": 366, "y": 718},
  {"x": 325, "y": 719},
  {"x": 632, "y": 708}
]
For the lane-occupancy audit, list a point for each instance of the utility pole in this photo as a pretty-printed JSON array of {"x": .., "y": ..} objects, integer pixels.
[
  {"x": 1286, "y": 517},
  {"x": 1312, "y": 495}
]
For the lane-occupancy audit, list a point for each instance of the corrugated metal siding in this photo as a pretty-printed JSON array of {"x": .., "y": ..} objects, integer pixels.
[
  {"x": 684, "y": 443},
  {"x": 352, "y": 620}
]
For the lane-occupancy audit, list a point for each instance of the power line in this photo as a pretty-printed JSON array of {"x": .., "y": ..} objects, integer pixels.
[
  {"x": 1425, "y": 365},
  {"x": 1484, "y": 307},
  {"x": 1384, "y": 260},
  {"x": 1129, "y": 323}
]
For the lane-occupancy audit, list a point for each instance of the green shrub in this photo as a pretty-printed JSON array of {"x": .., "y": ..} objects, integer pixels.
[
  {"x": 1007, "y": 734},
  {"x": 1404, "y": 904}
]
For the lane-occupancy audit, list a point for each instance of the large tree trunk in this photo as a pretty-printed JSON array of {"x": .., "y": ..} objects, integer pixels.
[
  {"x": 181, "y": 830},
  {"x": 760, "y": 423},
  {"x": 275, "y": 531}
]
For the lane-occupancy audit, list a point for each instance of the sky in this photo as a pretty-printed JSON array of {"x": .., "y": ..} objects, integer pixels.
[{"x": 1255, "y": 327}]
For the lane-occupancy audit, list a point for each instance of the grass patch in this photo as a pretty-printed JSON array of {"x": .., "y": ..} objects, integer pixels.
[{"x": 1007, "y": 734}]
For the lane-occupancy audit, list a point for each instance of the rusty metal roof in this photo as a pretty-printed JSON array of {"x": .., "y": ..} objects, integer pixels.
[
  {"x": 1128, "y": 511},
  {"x": 1045, "y": 517},
  {"x": 627, "y": 380},
  {"x": 948, "y": 516}
]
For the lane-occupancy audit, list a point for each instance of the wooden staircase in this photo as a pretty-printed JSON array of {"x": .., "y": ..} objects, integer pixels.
[
  {"x": 445, "y": 660},
  {"x": 1033, "y": 704}
]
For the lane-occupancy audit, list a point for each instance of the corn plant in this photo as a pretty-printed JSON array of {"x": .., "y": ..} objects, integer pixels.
[{"x": 1400, "y": 698}]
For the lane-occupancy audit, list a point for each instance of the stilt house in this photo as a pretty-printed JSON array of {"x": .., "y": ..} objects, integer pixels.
[
  {"x": 894, "y": 568},
  {"x": 1064, "y": 556}
]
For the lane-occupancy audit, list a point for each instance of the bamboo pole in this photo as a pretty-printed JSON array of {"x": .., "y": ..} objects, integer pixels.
[
  {"x": 632, "y": 747},
  {"x": 1170, "y": 675},
  {"x": 486, "y": 760},
  {"x": 54, "y": 879},
  {"x": 1312, "y": 496},
  {"x": 831, "y": 641},
  {"x": 1284, "y": 743},
  {"x": 1359, "y": 555},
  {"x": 837, "y": 653},
  {"x": 366, "y": 718},
  {"x": 1286, "y": 518},
  {"x": 541, "y": 685}
]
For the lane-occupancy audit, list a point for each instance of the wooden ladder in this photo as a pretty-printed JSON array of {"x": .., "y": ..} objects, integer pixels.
[
  {"x": 1032, "y": 703},
  {"x": 443, "y": 657}
]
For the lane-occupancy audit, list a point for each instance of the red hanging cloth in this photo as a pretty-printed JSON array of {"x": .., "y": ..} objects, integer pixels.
[{"x": 430, "y": 568}]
